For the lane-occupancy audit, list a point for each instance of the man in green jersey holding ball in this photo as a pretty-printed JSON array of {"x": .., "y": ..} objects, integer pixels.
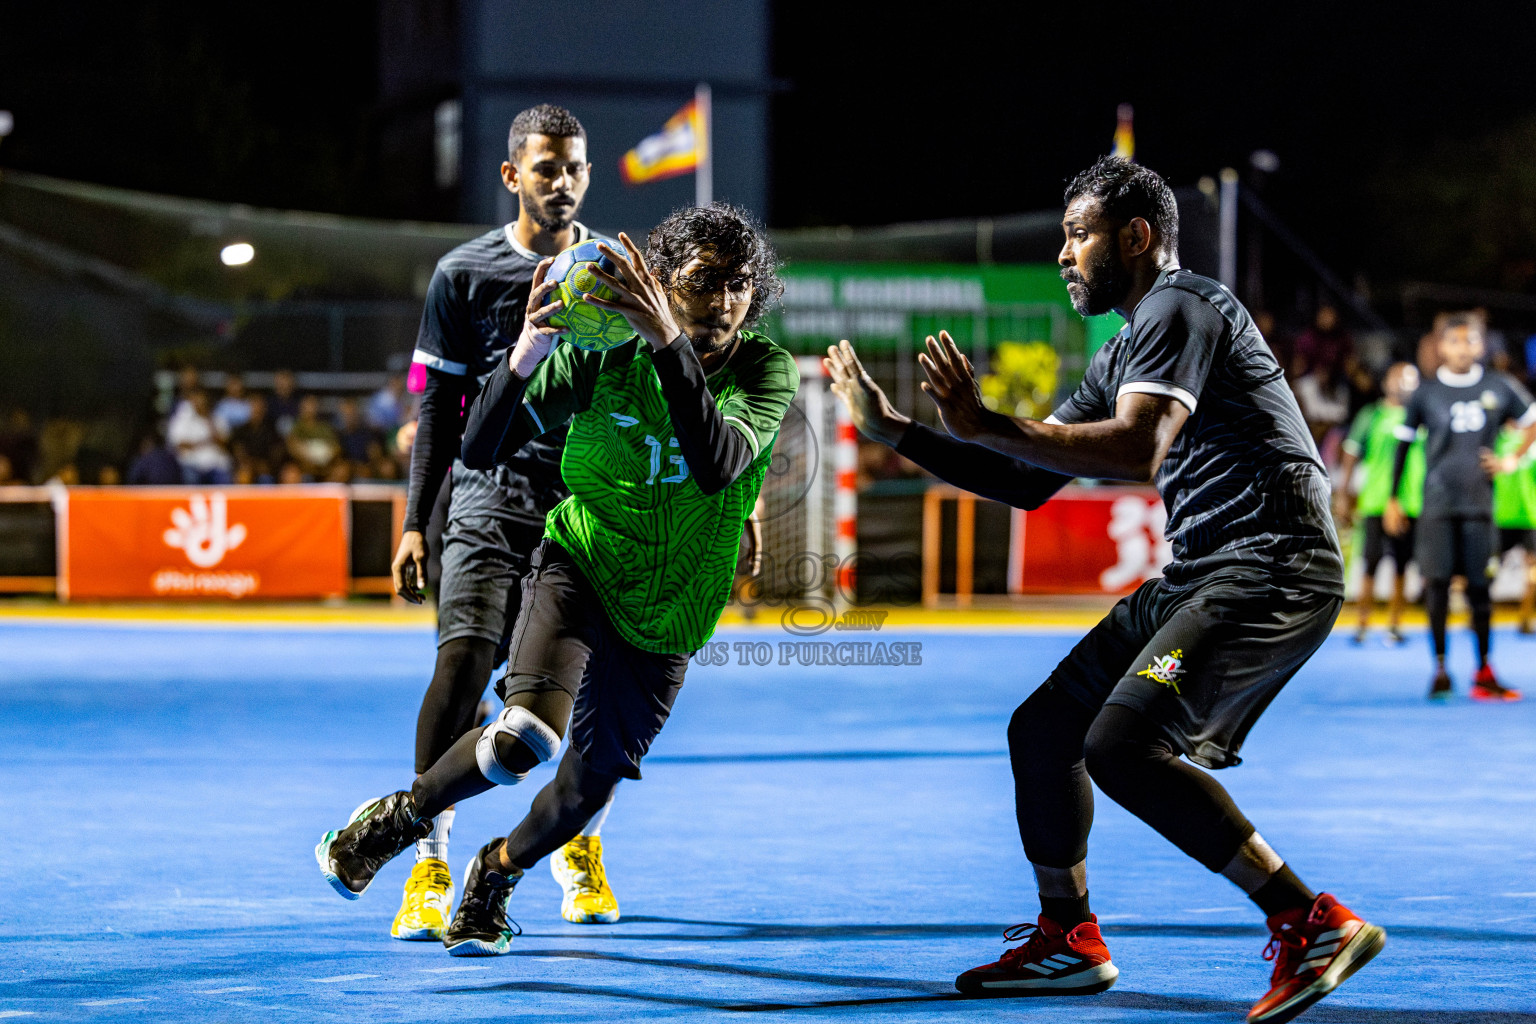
[
  {"x": 1371, "y": 445},
  {"x": 670, "y": 438}
]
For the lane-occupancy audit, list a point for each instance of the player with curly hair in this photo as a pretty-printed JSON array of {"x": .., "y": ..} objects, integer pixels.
[{"x": 670, "y": 439}]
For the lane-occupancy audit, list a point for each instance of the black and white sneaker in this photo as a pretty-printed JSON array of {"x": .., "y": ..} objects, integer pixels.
[
  {"x": 377, "y": 832},
  {"x": 480, "y": 927}
]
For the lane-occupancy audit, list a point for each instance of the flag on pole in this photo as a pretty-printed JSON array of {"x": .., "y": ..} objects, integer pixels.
[
  {"x": 679, "y": 148},
  {"x": 1125, "y": 137}
]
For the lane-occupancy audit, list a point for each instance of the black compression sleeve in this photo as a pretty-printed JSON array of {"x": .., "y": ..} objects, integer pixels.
[
  {"x": 1399, "y": 463},
  {"x": 492, "y": 428},
  {"x": 436, "y": 445},
  {"x": 979, "y": 470},
  {"x": 716, "y": 453}
]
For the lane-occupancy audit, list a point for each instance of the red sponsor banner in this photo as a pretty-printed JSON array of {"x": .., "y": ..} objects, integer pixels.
[
  {"x": 203, "y": 542},
  {"x": 1098, "y": 540}
]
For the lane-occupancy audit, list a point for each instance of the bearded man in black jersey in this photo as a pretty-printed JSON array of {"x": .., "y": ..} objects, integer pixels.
[
  {"x": 474, "y": 311},
  {"x": 1188, "y": 393}
]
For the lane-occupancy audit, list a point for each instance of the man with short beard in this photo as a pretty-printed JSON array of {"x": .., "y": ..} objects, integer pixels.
[
  {"x": 1190, "y": 393},
  {"x": 474, "y": 312},
  {"x": 670, "y": 438}
]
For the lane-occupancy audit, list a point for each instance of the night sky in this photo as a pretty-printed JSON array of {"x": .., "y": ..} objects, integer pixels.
[{"x": 1392, "y": 127}]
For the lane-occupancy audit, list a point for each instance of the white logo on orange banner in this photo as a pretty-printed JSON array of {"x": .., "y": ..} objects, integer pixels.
[
  {"x": 201, "y": 530},
  {"x": 1136, "y": 526}
]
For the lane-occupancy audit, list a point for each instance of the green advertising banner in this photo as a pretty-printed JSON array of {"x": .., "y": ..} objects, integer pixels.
[{"x": 887, "y": 309}]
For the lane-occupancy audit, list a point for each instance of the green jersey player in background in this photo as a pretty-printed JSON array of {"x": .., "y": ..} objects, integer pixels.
[
  {"x": 1370, "y": 447},
  {"x": 1514, "y": 512},
  {"x": 670, "y": 438}
]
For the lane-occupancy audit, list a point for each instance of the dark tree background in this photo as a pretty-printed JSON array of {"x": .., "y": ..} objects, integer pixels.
[{"x": 1406, "y": 136}]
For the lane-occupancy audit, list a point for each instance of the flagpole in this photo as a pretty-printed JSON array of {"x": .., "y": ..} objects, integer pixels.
[{"x": 704, "y": 143}]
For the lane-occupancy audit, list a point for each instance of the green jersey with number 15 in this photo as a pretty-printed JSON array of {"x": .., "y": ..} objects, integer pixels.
[{"x": 660, "y": 553}]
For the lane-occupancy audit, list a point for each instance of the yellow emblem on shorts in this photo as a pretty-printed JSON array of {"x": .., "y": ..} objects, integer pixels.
[{"x": 1166, "y": 669}]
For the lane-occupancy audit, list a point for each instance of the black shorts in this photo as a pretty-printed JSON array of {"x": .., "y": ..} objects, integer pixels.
[
  {"x": 1511, "y": 537},
  {"x": 1455, "y": 546},
  {"x": 564, "y": 640},
  {"x": 1204, "y": 662},
  {"x": 484, "y": 561},
  {"x": 1379, "y": 543}
]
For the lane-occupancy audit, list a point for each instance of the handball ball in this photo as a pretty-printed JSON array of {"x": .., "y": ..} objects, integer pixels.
[{"x": 583, "y": 324}]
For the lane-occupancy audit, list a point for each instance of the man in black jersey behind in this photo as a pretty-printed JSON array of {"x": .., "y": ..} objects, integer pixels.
[
  {"x": 474, "y": 311},
  {"x": 1462, "y": 408},
  {"x": 1190, "y": 392}
]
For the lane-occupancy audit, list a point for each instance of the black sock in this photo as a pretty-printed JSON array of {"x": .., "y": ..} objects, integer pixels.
[
  {"x": 1067, "y": 911},
  {"x": 1284, "y": 891}
]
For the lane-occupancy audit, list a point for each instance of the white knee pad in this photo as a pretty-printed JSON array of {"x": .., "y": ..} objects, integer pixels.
[{"x": 519, "y": 724}]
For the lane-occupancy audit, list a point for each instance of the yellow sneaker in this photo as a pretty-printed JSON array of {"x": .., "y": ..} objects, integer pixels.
[
  {"x": 578, "y": 867},
  {"x": 428, "y": 902}
]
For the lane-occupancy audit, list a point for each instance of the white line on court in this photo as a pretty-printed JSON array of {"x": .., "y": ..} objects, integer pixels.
[
  {"x": 18, "y": 1013},
  {"x": 342, "y": 977},
  {"x": 224, "y": 991},
  {"x": 1421, "y": 899}
]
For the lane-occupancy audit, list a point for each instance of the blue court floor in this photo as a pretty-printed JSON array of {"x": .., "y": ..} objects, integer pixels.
[{"x": 808, "y": 843}]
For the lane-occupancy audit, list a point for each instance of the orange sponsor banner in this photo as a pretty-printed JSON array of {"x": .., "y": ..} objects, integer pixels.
[{"x": 203, "y": 542}]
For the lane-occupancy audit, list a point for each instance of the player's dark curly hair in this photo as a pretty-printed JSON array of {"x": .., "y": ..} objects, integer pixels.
[
  {"x": 544, "y": 119},
  {"x": 732, "y": 235},
  {"x": 1126, "y": 190}
]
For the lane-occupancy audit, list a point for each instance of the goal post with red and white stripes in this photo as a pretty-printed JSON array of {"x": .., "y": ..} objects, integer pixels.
[{"x": 807, "y": 512}]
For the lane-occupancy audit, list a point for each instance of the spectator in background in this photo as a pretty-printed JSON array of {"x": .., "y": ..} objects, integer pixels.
[
  {"x": 256, "y": 443},
  {"x": 285, "y": 401},
  {"x": 108, "y": 476},
  {"x": 311, "y": 441},
  {"x": 66, "y": 475},
  {"x": 8, "y": 476},
  {"x": 234, "y": 409},
  {"x": 155, "y": 464},
  {"x": 197, "y": 441},
  {"x": 290, "y": 473},
  {"x": 353, "y": 434},
  {"x": 186, "y": 383},
  {"x": 380, "y": 465},
  {"x": 386, "y": 409},
  {"x": 18, "y": 443},
  {"x": 1325, "y": 346},
  {"x": 1324, "y": 399}
]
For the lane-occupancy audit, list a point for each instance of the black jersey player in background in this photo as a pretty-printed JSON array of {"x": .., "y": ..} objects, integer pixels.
[
  {"x": 474, "y": 311},
  {"x": 1190, "y": 392},
  {"x": 1462, "y": 408}
]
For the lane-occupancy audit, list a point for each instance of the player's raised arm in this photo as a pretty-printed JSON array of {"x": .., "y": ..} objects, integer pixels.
[
  {"x": 1130, "y": 445},
  {"x": 979, "y": 470},
  {"x": 492, "y": 427}
]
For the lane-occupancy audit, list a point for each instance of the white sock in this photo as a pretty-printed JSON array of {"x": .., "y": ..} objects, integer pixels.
[
  {"x": 436, "y": 842},
  {"x": 595, "y": 825}
]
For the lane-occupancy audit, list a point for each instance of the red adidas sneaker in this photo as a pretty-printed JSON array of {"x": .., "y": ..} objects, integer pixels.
[
  {"x": 1053, "y": 962},
  {"x": 1486, "y": 686},
  {"x": 1313, "y": 953}
]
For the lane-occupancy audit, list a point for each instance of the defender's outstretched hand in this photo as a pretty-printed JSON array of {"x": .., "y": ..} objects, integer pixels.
[
  {"x": 872, "y": 412},
  {"x": 638, "y": 295},
  {"x": 538, "y": 335},
  {"x": 952, "y": 385}
]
